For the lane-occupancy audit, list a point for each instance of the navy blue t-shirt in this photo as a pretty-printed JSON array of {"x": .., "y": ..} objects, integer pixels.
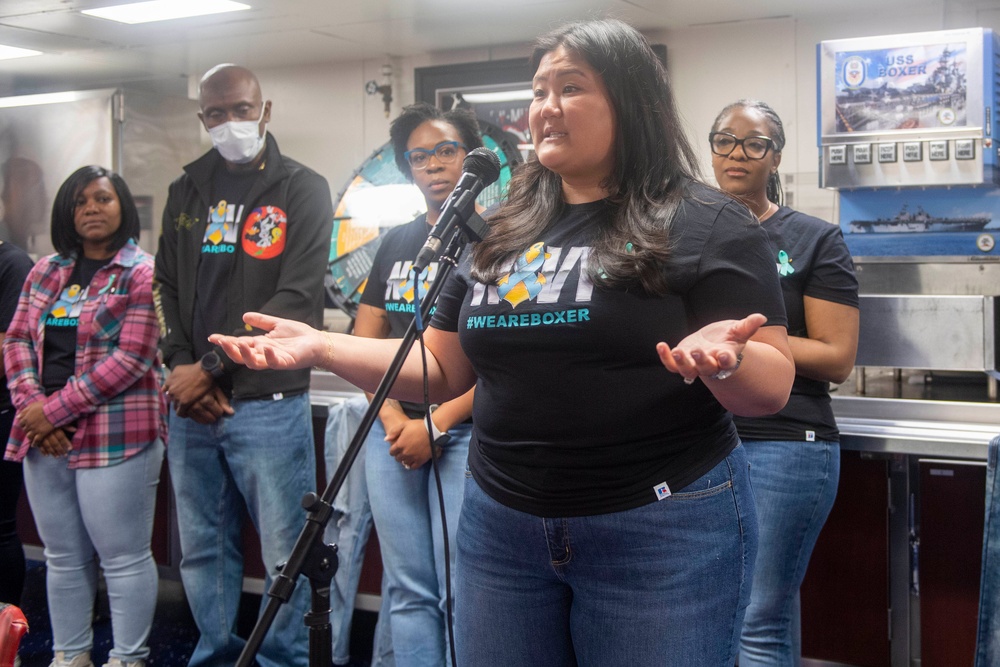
[
  {"x": 391, "y": 286},
  {"x": 59, "y": 361},
  {"x": 574, "y": 412},
  {"x": 812, "y": 260}
]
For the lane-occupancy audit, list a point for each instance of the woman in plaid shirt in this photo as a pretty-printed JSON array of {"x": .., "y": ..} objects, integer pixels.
[{"x": 81, "y": 365}]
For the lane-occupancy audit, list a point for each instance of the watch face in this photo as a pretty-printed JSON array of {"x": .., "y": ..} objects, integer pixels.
[{"x": 211, "y": 363}]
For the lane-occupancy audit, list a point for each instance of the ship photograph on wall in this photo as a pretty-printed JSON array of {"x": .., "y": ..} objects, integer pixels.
[
  {"x": 906, "y": 88},
  {"x": 922, "y": 223},
  {"x": 920, "y": 220}
]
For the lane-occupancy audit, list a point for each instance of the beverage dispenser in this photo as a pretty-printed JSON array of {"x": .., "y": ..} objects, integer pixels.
[{"x": 907, "y": 131}]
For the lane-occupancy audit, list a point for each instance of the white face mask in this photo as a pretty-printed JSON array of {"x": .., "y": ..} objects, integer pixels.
[{"x": 239, "y": 141}]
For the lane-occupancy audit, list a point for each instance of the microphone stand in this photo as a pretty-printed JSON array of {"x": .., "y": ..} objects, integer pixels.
[{"x": 310, "y": 556}]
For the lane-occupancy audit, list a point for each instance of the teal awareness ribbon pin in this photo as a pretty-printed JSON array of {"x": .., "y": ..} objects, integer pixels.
[{"x": 785, "y": 267}]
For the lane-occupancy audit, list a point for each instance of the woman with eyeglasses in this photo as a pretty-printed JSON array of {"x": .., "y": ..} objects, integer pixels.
[
  {"x": 794, "y": 454},
  {"x": 429, "y": 146}
]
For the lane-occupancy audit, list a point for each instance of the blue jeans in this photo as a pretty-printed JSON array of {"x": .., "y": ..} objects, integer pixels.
[
  {"x": 795, "y": 484},
  {"x": 663, "y": 584},
  {"x": 404, "y": 504},
  {"x": 988, "y": 638},
  {"x": 109, "y": 510},
  {"x": 349, "y": 530},
  {"x": 261, "y": 458}
]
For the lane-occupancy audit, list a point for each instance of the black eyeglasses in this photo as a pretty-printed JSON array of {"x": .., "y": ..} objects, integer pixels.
[
  {"x": 755, "y": 148},
  {"x": 446, "y": 153}
]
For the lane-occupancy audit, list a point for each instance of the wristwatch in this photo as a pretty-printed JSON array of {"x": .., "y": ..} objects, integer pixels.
[
  {"x": 211, "y": 363},
  {"x": 726, "y": 372}
]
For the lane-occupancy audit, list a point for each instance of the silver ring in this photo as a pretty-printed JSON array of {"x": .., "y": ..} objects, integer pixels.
[
  {"x": 688, "y": 380},
  {"x": 406, "y": 466}
]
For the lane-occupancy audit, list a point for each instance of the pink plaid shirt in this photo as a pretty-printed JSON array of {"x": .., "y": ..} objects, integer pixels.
[{"x": 114, "y": 399}]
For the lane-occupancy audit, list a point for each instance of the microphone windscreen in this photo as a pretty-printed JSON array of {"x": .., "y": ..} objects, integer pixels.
[{"x": 484, "y": 163}]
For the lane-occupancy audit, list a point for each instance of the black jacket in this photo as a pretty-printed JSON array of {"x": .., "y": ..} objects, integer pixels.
[{"x": 289, "y": 284}]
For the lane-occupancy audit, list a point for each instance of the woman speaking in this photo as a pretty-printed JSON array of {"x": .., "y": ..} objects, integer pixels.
[{"x": 614, "y": 316}]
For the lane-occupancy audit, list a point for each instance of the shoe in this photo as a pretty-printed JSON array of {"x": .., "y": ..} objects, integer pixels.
[
  {"x": 80, "y": 660},
  {"x": 117, "y": 662}
]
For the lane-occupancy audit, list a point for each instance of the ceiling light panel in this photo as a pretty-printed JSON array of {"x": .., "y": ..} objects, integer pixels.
[
  {"x": 164, "y": 10},
  {"x": 9, "y": 52}
]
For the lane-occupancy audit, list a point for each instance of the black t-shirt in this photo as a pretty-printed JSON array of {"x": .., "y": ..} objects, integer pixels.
[
  {"x": 812, "y": 260},
  {"x": 59, "y": 362},
  {"x": 574, "y": 412},
  {"x": 391, "y": 287},
  {"x": 14, "y": 267},
  {"x": 222, "y": 238}
]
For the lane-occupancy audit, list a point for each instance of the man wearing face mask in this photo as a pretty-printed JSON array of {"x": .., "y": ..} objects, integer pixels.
[{"x": 245, "y": 228}]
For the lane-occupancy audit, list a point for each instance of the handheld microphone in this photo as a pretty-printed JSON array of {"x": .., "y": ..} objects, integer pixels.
[{"x": 480, "y": 168}]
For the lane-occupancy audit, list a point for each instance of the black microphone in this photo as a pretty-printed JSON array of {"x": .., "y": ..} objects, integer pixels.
[{"x": 480, "y": 168}]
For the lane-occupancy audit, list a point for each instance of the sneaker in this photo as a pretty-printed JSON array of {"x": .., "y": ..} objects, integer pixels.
[
  {"x": 79, "y": 660},
  {"x": 117, "y": 662}
]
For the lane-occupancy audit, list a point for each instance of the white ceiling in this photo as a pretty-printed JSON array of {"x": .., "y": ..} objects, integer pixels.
[{"x": 83, "y": 51}]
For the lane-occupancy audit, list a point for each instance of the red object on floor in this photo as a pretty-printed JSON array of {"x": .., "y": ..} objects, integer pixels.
[{"x": 13, "y": 625}]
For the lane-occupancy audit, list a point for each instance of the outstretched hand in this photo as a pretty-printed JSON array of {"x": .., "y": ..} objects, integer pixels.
[
  {"x": 711, "y": 349},
  {"x": 287, "y": 345}
]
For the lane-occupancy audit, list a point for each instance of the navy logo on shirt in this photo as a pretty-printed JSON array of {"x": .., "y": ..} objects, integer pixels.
[
  {"x": 401, "y": 288},
  {"x": 221, "y": 232},
  {"x": 538, "y": 275},
  {"x": 66, "y": 310}
]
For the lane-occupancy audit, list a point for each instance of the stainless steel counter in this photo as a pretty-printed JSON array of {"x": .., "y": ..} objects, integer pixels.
[
  {"x": 913, "y": 412},
  {"x": 948, "y": 429}
]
